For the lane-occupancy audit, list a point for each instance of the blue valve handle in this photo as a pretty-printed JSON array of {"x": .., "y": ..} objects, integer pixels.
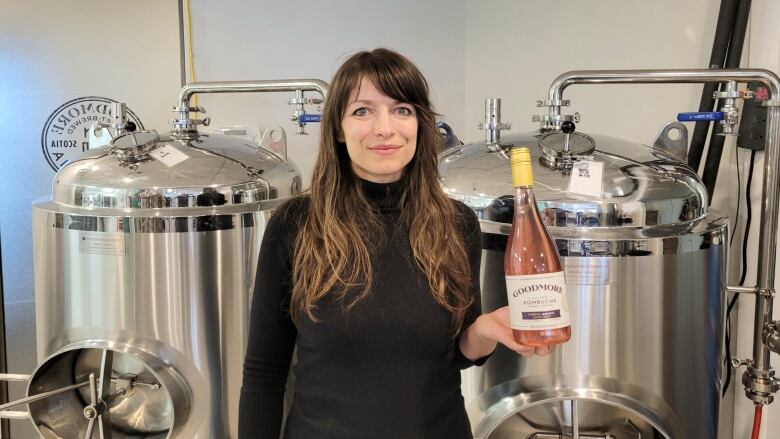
[
  {"x": 700, "y": 115},
  {"x": 308, "y": 118}
]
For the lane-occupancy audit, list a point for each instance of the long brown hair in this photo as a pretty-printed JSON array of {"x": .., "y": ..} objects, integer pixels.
[{"x": 333, "y": 251}]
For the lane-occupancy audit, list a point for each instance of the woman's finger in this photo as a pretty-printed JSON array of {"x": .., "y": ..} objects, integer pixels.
[
  {"x": 544, "y": 350},
  {"x": 505, "y": 337},
  {"x": 521, "y": 349},
  {"x": 526, "y": 351}
]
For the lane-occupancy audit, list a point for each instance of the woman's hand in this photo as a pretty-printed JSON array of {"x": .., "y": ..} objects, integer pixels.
[{"x": 481, "y": 337}]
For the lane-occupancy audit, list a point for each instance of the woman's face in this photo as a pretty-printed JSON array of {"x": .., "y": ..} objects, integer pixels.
[{"x": 380, "y": 133}]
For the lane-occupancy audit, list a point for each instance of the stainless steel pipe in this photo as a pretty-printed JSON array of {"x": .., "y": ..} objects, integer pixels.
[
  {"x": 758, "y": 379},
  {"x": 252, "y": 86}
]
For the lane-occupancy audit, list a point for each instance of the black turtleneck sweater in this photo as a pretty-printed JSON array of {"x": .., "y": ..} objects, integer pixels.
[{"x": 387, "y": 368}]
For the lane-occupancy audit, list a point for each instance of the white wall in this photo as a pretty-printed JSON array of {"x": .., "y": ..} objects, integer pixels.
[
  {"x": 514, "y": 50},
  {"x": 310, "y": 39}
]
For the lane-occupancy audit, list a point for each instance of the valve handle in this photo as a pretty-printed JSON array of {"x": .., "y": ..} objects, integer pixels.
[
  {"x": 309, "y": 118},
  {"x": 568, "y": 127},
  {"x": 700, "y": 116}
]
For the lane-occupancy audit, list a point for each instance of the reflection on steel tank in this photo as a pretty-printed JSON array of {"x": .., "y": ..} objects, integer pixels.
[
  {"x": 644, "y": 261},
  {"x": 145, "y": 258}
]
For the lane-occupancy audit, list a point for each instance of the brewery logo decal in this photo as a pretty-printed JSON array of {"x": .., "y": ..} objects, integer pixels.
[{"x": 64, "y": 135}]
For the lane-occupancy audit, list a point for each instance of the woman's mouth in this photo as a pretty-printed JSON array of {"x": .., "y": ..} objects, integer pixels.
[{"x": 384, "y": 149}]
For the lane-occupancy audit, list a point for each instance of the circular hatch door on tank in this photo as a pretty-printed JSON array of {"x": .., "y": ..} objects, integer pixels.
[{"x": 142, "y": 398}]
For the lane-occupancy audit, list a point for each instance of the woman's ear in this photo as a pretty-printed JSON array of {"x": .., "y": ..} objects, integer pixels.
[{"x": 340, "y": 136}]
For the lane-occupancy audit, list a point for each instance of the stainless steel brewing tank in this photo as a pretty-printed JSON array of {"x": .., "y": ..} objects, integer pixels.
[
  {"x": 644, "y": 264},
  {"x": 147, "y": 249}
]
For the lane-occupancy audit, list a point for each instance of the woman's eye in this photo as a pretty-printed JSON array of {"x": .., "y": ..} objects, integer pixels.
[
  {"x": 362, "y": 111},
  {"x": 404, "y": 111}
]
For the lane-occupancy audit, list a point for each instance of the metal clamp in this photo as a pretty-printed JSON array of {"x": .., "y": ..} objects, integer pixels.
[
  {"x": 553, "y": 122},
  {"x": 551, "y": 103},
  {"x": 760, "y": 385},
  {"x": 188, "y": 124},
  {"x": 733, "y": 94},
  {"x": 303, "y": 100},
  {"x": 198, "y": 109}
]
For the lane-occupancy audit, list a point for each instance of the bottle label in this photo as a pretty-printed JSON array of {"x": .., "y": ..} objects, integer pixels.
[{"x": 538, "y": 301}]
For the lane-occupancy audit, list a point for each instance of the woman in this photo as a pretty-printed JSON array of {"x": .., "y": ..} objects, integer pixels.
[{"x": 373, "y": 275}]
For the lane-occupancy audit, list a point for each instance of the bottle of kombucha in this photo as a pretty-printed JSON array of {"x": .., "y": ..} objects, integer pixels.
[{"x": 535, "y": 283}]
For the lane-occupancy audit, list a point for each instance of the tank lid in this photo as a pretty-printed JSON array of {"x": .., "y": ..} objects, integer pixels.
[
  {"x": 145, "y": 170},
  {"x": 639, "y": 186}
]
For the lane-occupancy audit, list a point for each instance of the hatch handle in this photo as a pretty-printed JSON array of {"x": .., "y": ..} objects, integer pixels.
[{"x": 567, "y": 127}]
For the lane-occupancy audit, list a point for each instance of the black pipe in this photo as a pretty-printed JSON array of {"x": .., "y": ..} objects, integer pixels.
[
  {"x": 723, "y": 29},
  {"x": 715, "y": 149},
  {"x": 743, "y": 271}
]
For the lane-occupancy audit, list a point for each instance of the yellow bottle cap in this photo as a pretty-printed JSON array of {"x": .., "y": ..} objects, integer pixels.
[{"x": 520, "y": 160}]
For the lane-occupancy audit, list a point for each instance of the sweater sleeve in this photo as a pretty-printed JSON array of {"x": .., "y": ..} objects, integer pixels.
[
  {"x": 272, "y": 333},
  {"x": 473, "y": 243}
]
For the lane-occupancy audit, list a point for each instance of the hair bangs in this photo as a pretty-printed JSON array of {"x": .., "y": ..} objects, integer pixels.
[{"x": 391, "y": 74}]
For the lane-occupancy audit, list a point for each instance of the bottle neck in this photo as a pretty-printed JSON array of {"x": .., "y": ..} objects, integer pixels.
[
  {"x": 526, "y": 192},
  {"x": 524, "y": 198}
]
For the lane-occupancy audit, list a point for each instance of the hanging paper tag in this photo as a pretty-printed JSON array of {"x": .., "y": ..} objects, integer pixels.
[
  {"x": 169, "y": 155},
  {"x": 586, "y": 178}
]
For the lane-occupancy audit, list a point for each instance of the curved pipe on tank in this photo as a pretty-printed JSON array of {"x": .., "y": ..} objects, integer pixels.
[
  {"x": 675, "y": 76},
  {"x": 756, "y": 375},
  {"x": 252, "y": 86}
]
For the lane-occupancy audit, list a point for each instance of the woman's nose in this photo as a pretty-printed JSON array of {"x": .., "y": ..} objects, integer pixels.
[{"x": 383, "y": 124}]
